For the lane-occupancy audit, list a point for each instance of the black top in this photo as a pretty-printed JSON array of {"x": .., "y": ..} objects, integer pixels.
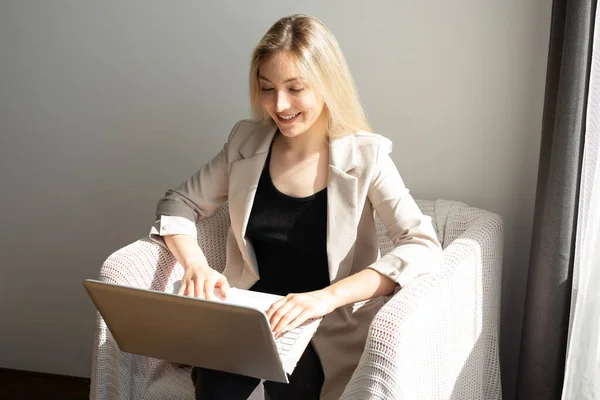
[{"x": 289, "y": 236}]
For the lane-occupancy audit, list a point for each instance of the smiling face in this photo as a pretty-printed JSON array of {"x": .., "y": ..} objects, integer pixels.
[{"x": 295, "y": 107}]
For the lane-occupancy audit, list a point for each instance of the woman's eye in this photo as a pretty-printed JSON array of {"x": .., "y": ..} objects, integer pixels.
[
  {"x": 266, "y": 89},
  {"x": 296, "y": 90}
]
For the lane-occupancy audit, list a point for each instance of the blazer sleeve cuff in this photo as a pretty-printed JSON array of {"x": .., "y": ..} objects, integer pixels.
[
  {"x": 396, "y": 268},
  {"x": 171, "y": 225}
]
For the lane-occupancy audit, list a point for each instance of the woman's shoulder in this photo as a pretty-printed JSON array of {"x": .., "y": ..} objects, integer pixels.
[
  {"x": 370, "y": 141},
  {"x": 373, "y": 149},
  {"x": 367, "y": 146},
  {"x": 246, "y": 129},
  {"x": 362, "y": 151}
]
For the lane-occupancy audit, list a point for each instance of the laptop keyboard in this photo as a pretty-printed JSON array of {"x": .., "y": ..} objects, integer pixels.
[{"x": 286, "y": 342}]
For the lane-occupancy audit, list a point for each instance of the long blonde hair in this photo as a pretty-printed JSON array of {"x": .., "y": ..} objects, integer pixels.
[{"x": 320, "y": 61}]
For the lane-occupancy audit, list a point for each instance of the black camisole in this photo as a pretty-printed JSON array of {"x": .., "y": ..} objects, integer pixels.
[{"x": 289, "y": 236}]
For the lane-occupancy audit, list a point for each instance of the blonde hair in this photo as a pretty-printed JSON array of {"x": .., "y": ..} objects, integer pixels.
[{"x": 319, "y": 60}]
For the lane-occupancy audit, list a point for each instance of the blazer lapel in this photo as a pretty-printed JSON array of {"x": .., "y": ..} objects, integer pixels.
[
  {"x": 342, "y": 210},
  {"x": 245, "y": 174}
]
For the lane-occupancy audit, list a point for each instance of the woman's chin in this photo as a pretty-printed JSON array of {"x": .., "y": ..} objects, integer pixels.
[{"x": 290, "y": 131}]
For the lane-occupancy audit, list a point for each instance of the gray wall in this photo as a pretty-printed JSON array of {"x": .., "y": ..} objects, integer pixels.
[{"x": 105, "y": 105}]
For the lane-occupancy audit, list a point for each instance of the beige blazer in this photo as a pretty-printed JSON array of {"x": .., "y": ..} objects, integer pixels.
[{"x": 362, "y": 180}]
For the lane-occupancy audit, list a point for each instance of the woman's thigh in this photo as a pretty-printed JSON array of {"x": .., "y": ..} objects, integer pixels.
[
  {"x": 304, "y": 384},
  {"x": 217, "y": 385}
]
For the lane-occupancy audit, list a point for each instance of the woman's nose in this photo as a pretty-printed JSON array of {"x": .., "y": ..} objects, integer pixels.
[{"x": 282, "y": 102}]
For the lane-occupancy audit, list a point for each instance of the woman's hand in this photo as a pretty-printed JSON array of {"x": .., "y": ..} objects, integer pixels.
[
  {"x": 201, "y": 281},
  {"x": 293, "y": 310}
]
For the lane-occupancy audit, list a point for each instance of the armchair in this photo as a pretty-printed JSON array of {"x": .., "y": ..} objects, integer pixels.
[{"x": 437, "y": 338}]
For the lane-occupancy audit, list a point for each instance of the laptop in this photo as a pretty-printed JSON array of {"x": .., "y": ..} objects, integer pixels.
[{"x": 231, "y": 335}]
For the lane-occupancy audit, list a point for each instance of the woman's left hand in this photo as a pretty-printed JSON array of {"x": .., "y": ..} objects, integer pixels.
[{"x": 296, "y": 308}]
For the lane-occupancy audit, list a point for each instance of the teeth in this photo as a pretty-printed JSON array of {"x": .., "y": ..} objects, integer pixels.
[{"x": 290, "y": 117}]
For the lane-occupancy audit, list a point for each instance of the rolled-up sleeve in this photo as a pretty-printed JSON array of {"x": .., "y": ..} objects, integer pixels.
[
  {"x": 197, "y": 197},
  {"x": 168, "y": 225},
  {"x": 417, "y": 250}
]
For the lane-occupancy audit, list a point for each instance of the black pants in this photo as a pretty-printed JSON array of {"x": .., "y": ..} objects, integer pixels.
[{"x": 305, "y": 382}]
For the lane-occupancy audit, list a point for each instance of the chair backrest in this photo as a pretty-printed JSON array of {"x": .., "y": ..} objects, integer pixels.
[{"x": 212, "y": 232}]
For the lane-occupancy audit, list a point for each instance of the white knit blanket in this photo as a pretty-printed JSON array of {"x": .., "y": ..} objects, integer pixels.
[{"x": 437, "y": 338}]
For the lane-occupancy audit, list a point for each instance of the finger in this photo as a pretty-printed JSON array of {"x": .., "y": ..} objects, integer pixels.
[
  {"x": 300, "y": 319},
  {"x": 199, "y": 288},
  {"x": 283, "y": 324},
  {"x": 280, "y": 313},
  {"x": 209, "y": 288},
  {"x": 223, "y": 285},
  {"x": 189, "y": 290},
  {"x": 182, "y": 289},
  {"x": 275, "y": 306}
]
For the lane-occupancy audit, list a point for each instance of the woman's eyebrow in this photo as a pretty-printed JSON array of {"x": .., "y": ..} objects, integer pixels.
[{"x": 286, "y": 81}]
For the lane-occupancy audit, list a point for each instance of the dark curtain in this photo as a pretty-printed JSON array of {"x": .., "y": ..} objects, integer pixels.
[{"x": 547, "y": 304}]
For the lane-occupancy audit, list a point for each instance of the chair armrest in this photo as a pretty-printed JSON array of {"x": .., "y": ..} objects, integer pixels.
[
  {"x": 142, "y": 264},
  {"x": 148, "y": 265},
  {"x": 437, "y": 338}
]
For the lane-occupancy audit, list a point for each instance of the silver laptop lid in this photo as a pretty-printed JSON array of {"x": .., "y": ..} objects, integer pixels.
[{"x": 187, "y": 330}]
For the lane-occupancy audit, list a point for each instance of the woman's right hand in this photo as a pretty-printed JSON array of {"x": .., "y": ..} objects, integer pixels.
[{"x": 201, "y": 281}]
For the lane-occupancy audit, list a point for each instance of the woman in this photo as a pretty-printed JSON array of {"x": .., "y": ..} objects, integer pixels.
[{"x": 302, "y": 183}]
